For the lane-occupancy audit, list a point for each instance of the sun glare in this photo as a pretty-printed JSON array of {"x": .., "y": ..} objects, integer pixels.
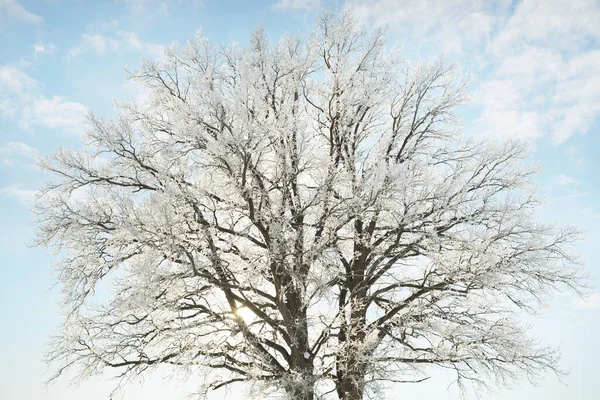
[{"x": 246, "y": 314}]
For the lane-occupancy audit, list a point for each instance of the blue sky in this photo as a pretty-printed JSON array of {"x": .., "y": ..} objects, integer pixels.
[{"x": 536, "y": 69}]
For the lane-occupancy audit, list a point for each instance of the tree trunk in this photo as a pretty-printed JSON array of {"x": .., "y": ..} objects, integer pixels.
[
  {"x": 351, "y": 368},
  {"x": 301, "y": 384},
  {"x": 352, "y": 387},
  {"x": 301, "y": 392}
]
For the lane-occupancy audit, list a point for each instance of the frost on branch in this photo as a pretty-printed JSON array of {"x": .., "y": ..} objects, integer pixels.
[{"x": 302, "y": 216}]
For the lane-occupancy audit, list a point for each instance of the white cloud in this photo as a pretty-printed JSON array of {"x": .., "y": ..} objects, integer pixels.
[
  {"x": 20, "y": 100},
  {"x": 591, "y": 302},
  {"x": 502, "y": 116},
  {"x": 532, "y": 64},
  {"x": 473, "y": 29},
  {"x": 301, "y": 5},
  {"x": 11, "y": 10},
  {"x": 44, "y": 49},
  {"x": 565, "y": 180},
  {"x": 115, "y": 40},
  {"x": 547, "y": 51},
  {"x": 162, "y": 6},
  {"x": 22, "y": 195},
  {"x": 93, "y": 43},
  {"x": 11, "y": 151},
  {"x": 15, "y": 85},
  {"x": 59, "y": 113},
  {"x": 576, "y": 99},
  {"x": 564, "y": 90},
  {"x": 538, "y": 61},
  {"x": 558, "y": 24},
  {"x": 130, "y": 41},
  {"x": 13, "y": 80},
  {"x": 449, "y": 25}
]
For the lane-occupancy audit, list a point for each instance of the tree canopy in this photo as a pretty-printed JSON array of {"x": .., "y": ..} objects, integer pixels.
[{"x": 303, "y": 216}]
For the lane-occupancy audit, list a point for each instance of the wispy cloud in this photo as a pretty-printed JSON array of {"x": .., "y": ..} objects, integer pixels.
[
  {"x": 10, "y": 152},
  {"x": 22, "y": 102},
  {"x": 11, "y": 10},
  {"x": 15, "y": 86},
  {"x": 298, "y": 5},
  {"x": 113, "y": 41},
  {"x": 547, "y": 51},
  {"x": 503, "y": 112},
  {"x": 140, "y": 6},
  {"x": 22, "y": 195},
  {"x": 14, "y": 81},
  {"x": 58, "y": 113},
  {"x": 539, "y": 59},
  {"x": 94, "y": 43},
  {"x": 565, "y": 180},
  {"x": 44, "y": 49},
  {"x": 451, "y": 26},
  {"x": 551, "y": 24},
  {"x": 559, "y": 89}
]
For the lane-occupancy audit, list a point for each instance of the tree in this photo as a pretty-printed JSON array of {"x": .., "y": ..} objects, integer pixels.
[{"x": 303, "y": 216}]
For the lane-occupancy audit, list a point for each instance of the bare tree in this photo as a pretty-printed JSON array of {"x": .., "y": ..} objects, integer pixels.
[{"x": 303, "y": 216}]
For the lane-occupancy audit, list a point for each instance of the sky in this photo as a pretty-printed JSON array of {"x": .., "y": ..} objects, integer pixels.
[{"x": 536, "y": 77}]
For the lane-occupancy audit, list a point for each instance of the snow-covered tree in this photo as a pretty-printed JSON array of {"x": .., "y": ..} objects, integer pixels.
[{"x": 302, "y": 216}]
